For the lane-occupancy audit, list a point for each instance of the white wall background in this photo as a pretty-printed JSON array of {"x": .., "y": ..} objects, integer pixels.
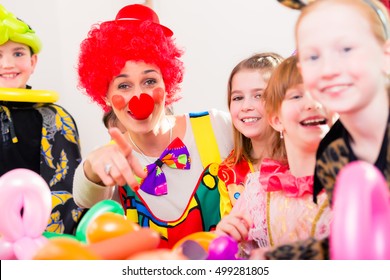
[{"x": 216, "y": 35}]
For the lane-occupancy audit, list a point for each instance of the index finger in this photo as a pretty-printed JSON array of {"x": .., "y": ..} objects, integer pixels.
[
  {"x": 126, "y": 149},
  {"x": 120, "y": 140}
]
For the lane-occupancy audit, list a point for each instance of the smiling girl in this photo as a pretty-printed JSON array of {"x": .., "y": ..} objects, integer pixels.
[{"x": 276, "y": 205}]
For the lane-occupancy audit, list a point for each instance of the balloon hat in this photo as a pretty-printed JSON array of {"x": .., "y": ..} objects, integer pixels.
[{"x": 13, "y": 29}]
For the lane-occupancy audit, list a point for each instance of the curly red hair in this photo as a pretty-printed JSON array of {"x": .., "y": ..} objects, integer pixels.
[{"x": 110, "y": 44}]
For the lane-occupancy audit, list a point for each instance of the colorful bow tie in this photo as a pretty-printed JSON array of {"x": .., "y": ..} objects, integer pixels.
[
  {"x": 175, "y": 155},
  {"x": 275, "y": 176}
]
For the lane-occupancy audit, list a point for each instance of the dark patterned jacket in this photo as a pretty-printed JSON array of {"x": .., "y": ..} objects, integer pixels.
[{"x": 43, "y": 138}]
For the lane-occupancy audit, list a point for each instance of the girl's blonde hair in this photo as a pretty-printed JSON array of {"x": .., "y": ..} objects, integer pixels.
[
  {"x": 374, "y": 11},
  {"x": 286, "y": 76},
  {"x": 265, "y": 63}
]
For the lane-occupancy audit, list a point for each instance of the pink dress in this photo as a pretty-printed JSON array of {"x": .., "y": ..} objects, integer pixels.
[{"x": 281, "y": 206}]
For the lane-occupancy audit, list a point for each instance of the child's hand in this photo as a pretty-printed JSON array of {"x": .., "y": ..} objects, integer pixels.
[{"x": 236, "y": 225}]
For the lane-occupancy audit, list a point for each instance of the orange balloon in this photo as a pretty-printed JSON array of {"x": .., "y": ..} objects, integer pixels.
[
  {"x": 64, "y": 248},
  {"x": 123, "y": 246},
  {"x": 204, "y": 239},
  {"x": 109, "y": 225}
]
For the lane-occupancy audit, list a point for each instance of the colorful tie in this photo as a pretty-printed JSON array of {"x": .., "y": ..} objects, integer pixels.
[
  {"x": 175, "y": 155},
  {"x": 277, "y": 177}
]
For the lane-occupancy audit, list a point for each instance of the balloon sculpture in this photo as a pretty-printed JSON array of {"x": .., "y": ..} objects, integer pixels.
[
  {"x": 361, "y": 223},
  {"x": 25, "y": 207},
  {"x": 103, "y": 233}
]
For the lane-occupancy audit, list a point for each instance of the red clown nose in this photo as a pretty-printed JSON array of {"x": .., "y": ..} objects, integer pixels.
[{"x": 141, "y": 108}]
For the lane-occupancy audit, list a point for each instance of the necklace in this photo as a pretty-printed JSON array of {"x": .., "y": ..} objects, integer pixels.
[{"x": 139, "y": 149}]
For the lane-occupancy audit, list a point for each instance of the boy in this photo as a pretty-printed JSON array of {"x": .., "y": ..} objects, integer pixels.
[{"x": 36, "y": 134}]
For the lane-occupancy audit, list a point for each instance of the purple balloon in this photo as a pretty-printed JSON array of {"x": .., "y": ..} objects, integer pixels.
[{"x": 223, "y": 248}]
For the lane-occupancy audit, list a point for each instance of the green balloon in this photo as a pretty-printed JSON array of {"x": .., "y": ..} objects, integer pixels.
[
  {"x": 99, "y": 208},
  {"x": 49, "y": 235}
]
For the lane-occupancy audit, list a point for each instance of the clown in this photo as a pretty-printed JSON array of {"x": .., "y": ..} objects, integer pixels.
[
  {"x": 131, "y": 67},
  {"x": 35, "y": 133}
]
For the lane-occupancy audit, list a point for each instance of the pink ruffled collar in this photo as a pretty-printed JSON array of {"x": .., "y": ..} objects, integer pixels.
[{"x": 275, "y": 176}]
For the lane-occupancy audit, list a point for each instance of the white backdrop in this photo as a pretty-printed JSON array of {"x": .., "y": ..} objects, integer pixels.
[{"x": 216, "y": 34}]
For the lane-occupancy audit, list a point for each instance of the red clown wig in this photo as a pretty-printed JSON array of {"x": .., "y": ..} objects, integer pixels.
[{"x": 110, "y": 44}]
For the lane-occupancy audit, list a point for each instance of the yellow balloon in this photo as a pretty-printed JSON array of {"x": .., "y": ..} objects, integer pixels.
[
  {"x": 28, "y": 95},
  {"x": 3, "y": 12},
  {"x": 28, "y": 38}
]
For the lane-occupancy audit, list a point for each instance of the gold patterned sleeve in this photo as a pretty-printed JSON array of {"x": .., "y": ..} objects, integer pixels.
[{"x": 309, "y": 249}]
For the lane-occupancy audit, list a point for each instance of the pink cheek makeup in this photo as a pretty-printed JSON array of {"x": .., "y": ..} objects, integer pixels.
[{"x": 118, "y": 101}]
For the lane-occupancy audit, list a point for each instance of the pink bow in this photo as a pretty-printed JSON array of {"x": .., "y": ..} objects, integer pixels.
[{"x": 276, "y": 176}]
